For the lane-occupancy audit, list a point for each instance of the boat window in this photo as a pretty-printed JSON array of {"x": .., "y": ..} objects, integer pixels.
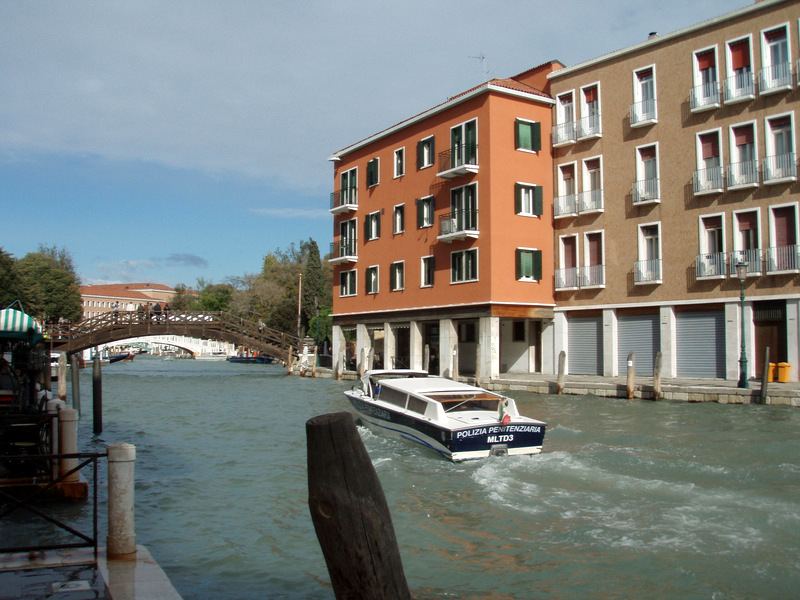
[
  {"x": 392, "y": 396},
  {"x": 417, "y": 405},
  {"x": 467, "y": 401}
]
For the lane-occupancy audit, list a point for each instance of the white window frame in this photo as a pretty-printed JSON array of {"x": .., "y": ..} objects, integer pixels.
[
  {"x": 423, "y": 271},
  {"x": 400, "y": 169},
  {"x": 376, "y": 270},
  {"x": 587, "y": 260},
  {"x": 640, "y": 174},
  {"x": 770, "y": 151},
  {"x": 563, "y": 205},
  {"x": 708, "y": 266},
  {"x": 586, "y": 181},
  {"x": 429, "y": 152},
  {"x": 733, "y": 153},
  {"x": 373, "y": 220},
  {"x": 642, "y": 244},
  {"x": 351, "y": 193},
  {"x": 377, "y": 170},
  {"x": 768, "y": 84},
  {"x": 530, "y": 279},
  {"x": 564, "y": 281},
  {"x": 428, "y": 201},
  {"x": 731, "y": 98},
  {"x": 712, "y": 99},
  {"x": 350, "y": 292},
  {"x": 462, "y": 254},
  {"x": 399, "y": 212},
  {"x": 532, "y": 122},
  {"x": 771, "y": 229},
  {"x": 638, "y": 97},
  {"x": 397, "y": 267},
  {"x": 527, "y": 199},
  {"x": 585, "y": 116},
  {"x": 716, "y": 184},
  {"x": 564, "y": 130}
]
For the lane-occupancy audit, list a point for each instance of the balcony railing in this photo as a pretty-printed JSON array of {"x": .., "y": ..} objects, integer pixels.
[
  {"x": 643, "y": 113},
  {"x": 705, "y": 96},
  {"x": 565, "y": 206},
  {"x": 752, "y": 257},
  {"x": 590, "y": 201},
  {"x": 775, "y": 78},
  {"x": 647, "y": 271},
  {"x": 344, "y": 251},
  {"x": 782, "y": 167},
  {"x": 564, "y": 133},
  {"x": 589, "y": 127},
  {"x": 646, "y": 190},
  {"x": 458, "y": 160},
  {"x": 740, "y": 87},
  {"x": 710, "y": 265},
  {"x": 592, "y": 276},
  {"x": 458, "y": 225},
  {"x": 708, "y": 181},
  {"x": 344, "y": 201},
  {"x": 743, "y": 174},
  {"x": 783, "y": 259},
  {"x": 567, "y": 279}
]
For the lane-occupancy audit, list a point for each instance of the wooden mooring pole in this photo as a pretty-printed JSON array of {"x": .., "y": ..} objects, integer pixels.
[
  {"x": 631, "y": 375},
  {"x": 97, "y": 395},
  {"x": 76, "y": 382},
  {"x": 350, "y": 513},
  {"x": 562, "y": 364},
  {"x": 657, "y": 377},
  {"x": 764, "y": 397}
]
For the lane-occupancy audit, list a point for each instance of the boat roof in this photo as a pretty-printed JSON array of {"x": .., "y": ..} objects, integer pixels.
[{"x": 419, "y": 382}]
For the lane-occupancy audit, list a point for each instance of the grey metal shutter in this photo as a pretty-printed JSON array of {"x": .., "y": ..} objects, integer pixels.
[
  {"x": 640, "y": 334},
  {"x": 585, "y": 352},
  {"x": 700, "y": 344}
]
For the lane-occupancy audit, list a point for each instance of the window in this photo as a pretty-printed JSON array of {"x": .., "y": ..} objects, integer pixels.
[
  {"x": 711, "y": 260},
  {"x": 591, "y": 199},
  {"x": 464, "y": 208},
  {"x": 779, "y": 163},
  {"x": 349, "y": 186},
  {"x": 528, "y": 199},
  {"x": 399, "y": 162},
  {"x": 427, "y": 271},
  {"x": 424, "y": 212},
  {"x": 746, "y": 241},
  {"x": 783, "y": 251},
  {"x": 373, "y": 171},
  {"x": 740, "y": 83},
  {"x": 347, "y": 239},
  {"x": 528, "y": 264},
  {"x": 643, "y": 109},
  {"x": 705, "y": 93},
  {"x": 464, "y": 144},
  {"x": 518, "y": 331},
  {"x": 564, "y": 130},
  {"x": 646, "y": 187},
  {"x": 372, "y": 280},
  {"x": 425, "y": 152},
  {"x": 565, "y": 203},
  {"x": 648, "y": 268},
  {"x": 464, "y": 266},
  {"x": 372, "y": 226},
  {"x": 347, "y": 283},
  {"x": 708, "y": 176},
  {"x": 528, "y": 135},
  {"x": 776, "y": 71},
  {"x": 397, "y": 276},
  {"x": 399, "y": 219},
  {"x": 593, "y": 273},
  {"x": 589, "y": 125},
  {"x": 567, "y": 273},
  {"x": 743, "y": 170}
]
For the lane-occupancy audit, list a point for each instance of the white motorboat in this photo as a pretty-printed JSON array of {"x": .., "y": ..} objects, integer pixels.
[{"x": 457, "y": 420}]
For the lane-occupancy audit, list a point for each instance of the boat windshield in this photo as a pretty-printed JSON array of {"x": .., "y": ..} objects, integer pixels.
[{"x": 458, "y": 401}]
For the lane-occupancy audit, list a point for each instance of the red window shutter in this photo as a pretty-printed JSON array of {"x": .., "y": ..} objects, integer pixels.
[
  {"x": 593, "y": 165},
  {"x": 743, "y": 135},
  {"x": 747, "y": 221},
  {"x": 784, "y": 226},
  {"x": 569, "y": 253},
  {"x": 644, "y": 74},
  {"x": 713, "y": 222},
  {"x": 595, "y": 249},
  {"x": 740, "y": 54},
  {"x": 706, "y": 60},
  {"x": 590, "y": 94},
  {"x": 568, "y": 172},
  {"x": 710, "y": 145},
  {"x": 775, "y": 34},
  {"x": 648, "y": 153}
]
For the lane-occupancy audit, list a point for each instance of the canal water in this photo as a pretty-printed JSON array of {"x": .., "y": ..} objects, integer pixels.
[{"x": 630, "y": 499}]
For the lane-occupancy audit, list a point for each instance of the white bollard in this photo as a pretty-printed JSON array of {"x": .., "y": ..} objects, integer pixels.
[
  {"x": 121, "y": 540},
  {"x": 68, "y": 442}
]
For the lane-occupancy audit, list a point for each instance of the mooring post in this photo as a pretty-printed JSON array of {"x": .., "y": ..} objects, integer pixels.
[
  {"x": 290, "y": 361},
  {"x": 630, "y": 383},
  {"x": 657, "y": 377},
  {"x": 562, "y": 364},
  {"x": 350, "y": 513},
  {"x": 97, "y": 395},
  {"x": 764, "y": 398},
  {"x": 54, "y": 406},
  {"x": 314, "y": 367},
  {"x": 478, "y": 365},
  {"x": 76, "y": 383},
  {"x": 454, "y": 374},
  {"x": 121, "y": 539},
  {"x": 68, "y": 442},
  {"x": 62, "y": 376}
]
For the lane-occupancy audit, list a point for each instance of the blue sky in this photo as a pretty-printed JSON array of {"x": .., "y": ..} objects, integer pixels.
[{"x": 171, "y": 141}]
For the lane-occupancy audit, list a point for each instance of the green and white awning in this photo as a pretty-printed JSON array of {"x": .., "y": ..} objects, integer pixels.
[{"x": 17, "y": 325}]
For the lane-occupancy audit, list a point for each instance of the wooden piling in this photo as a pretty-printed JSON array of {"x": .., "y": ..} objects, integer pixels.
[
  {"x": 478, "y": 365},
  {"x": 76, "y": 382},
  {"x": 97, "y": 395},
  {"x": 630, "y": 382},
  {"x": 763, "y": 397},
  {"x": 62, "y": 376},
  {"x": 657, "y": 377},
  {"x": 350, "y": 513},
  {"x": 562, "y": 364}
]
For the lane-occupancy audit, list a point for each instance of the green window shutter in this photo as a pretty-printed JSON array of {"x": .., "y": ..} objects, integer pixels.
[
  {"x": 537, "y": 265},
  {"x": 538, "y": 201},
  {"x": 517, "y": 198},
  {"x": 521, "y": 135},
  {"x": 366, "y": 227},
  {"x": 378, "y": 225},
  {"x": 420, "y": 154},
  {"x": 536, "y": 135},
  {"x": 524, "y": 263},
  {"x": 420, "y": 212}
]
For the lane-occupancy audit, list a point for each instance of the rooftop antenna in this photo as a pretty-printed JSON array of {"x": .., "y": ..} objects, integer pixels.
[{"x": 482, "y": 58}]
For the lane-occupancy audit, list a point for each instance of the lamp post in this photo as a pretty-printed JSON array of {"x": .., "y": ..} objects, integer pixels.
[{"x": 741, "y": 274}]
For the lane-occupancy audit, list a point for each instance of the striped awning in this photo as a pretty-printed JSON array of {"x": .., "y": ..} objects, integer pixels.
[{"x": 17, "y": 325}]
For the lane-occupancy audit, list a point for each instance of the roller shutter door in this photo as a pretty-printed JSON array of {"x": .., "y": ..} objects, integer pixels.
[
  {"x": 640, "y": 334},
  {"x": 585, "y": 346},
  {"x": 700, "y": 344}
]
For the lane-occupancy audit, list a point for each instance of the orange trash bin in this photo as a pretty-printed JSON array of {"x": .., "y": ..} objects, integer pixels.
[
  {"x": 771, "y": 372},
  {"x": 783, "y": 372}
]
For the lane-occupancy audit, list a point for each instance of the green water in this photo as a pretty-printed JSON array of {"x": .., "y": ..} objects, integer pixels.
[{"x": 630, "y": 499}]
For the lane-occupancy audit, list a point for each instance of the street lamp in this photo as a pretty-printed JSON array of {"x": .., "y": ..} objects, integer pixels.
[{"x": 741, "y": 275}]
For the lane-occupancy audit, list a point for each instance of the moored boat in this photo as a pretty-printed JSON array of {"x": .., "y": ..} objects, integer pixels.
[
  {"x": 262, "y": 359},
  {"x": 457, "y": 420}
]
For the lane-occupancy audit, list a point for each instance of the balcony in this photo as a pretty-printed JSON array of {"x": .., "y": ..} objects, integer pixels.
[
  {"x": 564, "y": 133},
  {"x": 458, "y": 225},
  {"x": 752, "y": 257},
  {"x": 646, "y": 191},
  {"x": 590, "y": 201},
  {"x": 343, "y": 252},
  {"x": 592, "y": 276},
  {"x": 708, "y": 181},
  {"x": 783, "y": 259},
  {"x": 710, "y": 266},
  {"x": 780, "y": 168},
  {"x": 458, "y": 161},
  {"x": 775, "y": 78},
  {"x": 565, "y": 206},
  {"x": 647, "y": 271},
  {"x": 589, "y": 127},
  {"x": 643, "y": 113},
  {"x": 344, "y": 201},
  {"x": 705, "y": 97},
  {"x": 743, "y": 175},
  {"x": 740, "y": 87},
  {"x": 567, "y": 279}
]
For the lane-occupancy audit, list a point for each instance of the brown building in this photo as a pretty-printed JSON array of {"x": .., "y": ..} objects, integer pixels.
[{"x": 99, "y": 299}]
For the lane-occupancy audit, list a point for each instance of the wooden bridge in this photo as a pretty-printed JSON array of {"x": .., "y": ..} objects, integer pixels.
[{"x": 116, "y": 326}]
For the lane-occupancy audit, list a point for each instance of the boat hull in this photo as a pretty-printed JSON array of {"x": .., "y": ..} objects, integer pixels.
[{"x": 515, "y": 438}]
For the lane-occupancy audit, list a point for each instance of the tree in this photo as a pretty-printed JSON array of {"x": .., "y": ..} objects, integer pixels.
[
  {"x": 183, "y": 299},
  {"x": 216, "y": 297},
  {"x": 9, "y": 281},
  {"x": 47, "y": 290}
]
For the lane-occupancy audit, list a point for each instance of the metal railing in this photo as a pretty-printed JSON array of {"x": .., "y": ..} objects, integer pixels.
[
  {"x": 592, "y": 276},
  {"x": 780, "y": 167},
  {"x": 566, "y": 278},
  {"x": 708, "y": 180},
  {"x": 643, "y": 112},
  {"x": 458, "y": 221},
  {"x": 705, "y": 95},
  {"x": 564, "y": 133},
  {"x": 775, "y": 77},
  {"x": 458, "y": 155},
  {"x": 783, "y": 258},
  {"x": 589, "y": 126},
  {"x": 710, "y": 265},
  {"x": 647, "y": 271},
  {"x": 646, "y": 190},
  {"x": 743, "y": 173},
  {"x": 741, "y": 86},
  {"x": 590, "y": 201},
  {"x": 344, "y": 198},
  {"x": 753, "y": 258},
  {"x": 566, "y": 205}
]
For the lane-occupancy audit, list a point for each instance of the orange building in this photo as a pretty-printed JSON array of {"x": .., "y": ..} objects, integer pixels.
[{"x": 443, "y": 236}]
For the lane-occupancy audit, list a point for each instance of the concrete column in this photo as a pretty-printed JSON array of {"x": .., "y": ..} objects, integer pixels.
[
  {"x": 669, "y": 346},
  {"x": 362, "y": 347},
  {"x": 548, "y": 343},
  {"x": 732, "y": 342},
  {"x": 448, "y": 341},
  {"x": 338, "y": 348},
  {"x": 610, "y": 343},
  {"x": 389, "y": 346},
  {"x": 792, "y": 338},
  {"x": 489, "y": 340},
  {"x": 416, "y": 344},
  {"x": 560, "y": 338},
  {"x": 68, "y": 442},
  {"x": 121, "y": 540},
  {"x": 53, "y": 408}
]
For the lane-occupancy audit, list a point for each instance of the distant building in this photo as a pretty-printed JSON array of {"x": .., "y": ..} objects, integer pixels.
[{"x": 99, "y": 299}]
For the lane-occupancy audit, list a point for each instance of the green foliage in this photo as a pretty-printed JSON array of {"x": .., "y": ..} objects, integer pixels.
[
  {"x": 47, "y": 290},
  {"x": 183, "y": 299},
  {"x": 216, "y": 297},
  {"x": 9, "y": 281}
]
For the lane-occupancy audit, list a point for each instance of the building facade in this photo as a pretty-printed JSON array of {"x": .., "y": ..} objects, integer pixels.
[
  {"x": 442, "y": 249},
  {"x": 674, "y": 161},
  {"x": 100, "y": 299}
]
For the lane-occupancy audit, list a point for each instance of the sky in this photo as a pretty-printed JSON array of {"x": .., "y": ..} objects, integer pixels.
[{"x": 183, "y": 140}]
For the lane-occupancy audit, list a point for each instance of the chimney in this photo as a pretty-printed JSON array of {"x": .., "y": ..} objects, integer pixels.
[{"x": 652, "y": 34}]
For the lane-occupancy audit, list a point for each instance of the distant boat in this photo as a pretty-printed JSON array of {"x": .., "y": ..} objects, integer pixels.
[
  {"x": 118, "y": 357},
  {"x": 218, "y": 355},
  {"x": 261, "y": 360}
]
